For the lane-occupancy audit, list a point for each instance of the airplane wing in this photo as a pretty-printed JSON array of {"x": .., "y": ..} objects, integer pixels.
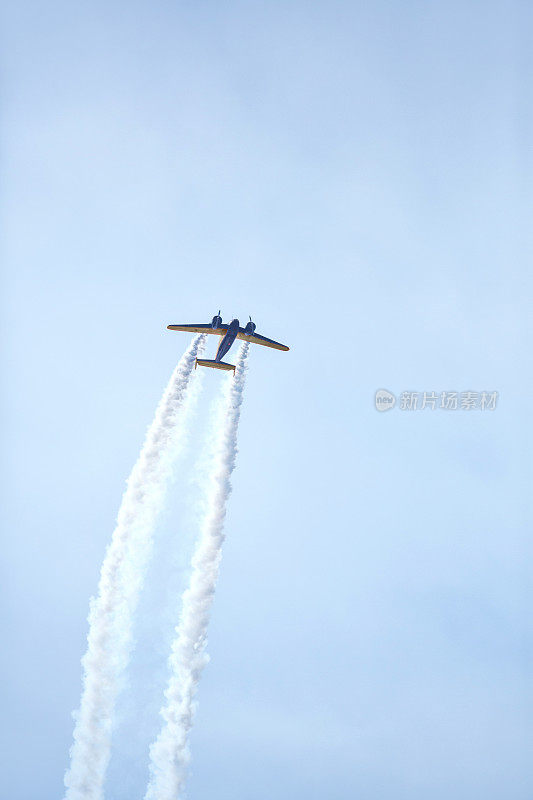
[
  {"x": 255, "y": 338},
  {"x": 220, "y": 331}
]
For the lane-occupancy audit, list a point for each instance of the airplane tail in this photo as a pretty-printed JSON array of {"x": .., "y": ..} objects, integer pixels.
[{"x": 205, "y": 362}]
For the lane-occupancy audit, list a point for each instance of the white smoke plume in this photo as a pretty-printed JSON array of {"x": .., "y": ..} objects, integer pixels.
[
  {"x": 109, "y": 640},
  {"x": 169, "y": 754}
]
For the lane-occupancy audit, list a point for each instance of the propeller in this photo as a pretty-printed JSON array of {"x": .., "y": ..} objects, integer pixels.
[{"x": 250, "y": 327}]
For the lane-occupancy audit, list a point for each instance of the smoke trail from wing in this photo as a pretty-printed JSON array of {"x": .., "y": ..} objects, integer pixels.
[
  {"x": 121, "y": 578},
  {"x": 169, "y": 754}
]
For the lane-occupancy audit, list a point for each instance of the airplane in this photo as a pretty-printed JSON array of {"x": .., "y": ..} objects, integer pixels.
[{"x": 228, "y": 332}]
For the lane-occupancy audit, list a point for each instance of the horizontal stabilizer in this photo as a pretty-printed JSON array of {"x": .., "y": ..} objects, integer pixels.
[{"x": 205, "y": 362}]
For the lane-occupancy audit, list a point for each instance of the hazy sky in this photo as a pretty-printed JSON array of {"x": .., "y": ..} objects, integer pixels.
[{"x": 357, "y": 177}]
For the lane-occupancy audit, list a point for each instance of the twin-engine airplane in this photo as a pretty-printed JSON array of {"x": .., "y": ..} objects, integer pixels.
[{"x": 228, "y": 333}]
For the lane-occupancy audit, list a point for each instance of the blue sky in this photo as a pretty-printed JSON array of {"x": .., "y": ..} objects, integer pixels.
[{"x": 357, "y": 178}]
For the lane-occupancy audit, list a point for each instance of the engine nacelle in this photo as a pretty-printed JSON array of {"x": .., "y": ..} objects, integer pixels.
[
  {"x": 216, "y": 322},
  {"x": 250, "y": 328}
]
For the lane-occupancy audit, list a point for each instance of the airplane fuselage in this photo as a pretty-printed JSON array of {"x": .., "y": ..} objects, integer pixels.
[{"x": 227, "y": 340}]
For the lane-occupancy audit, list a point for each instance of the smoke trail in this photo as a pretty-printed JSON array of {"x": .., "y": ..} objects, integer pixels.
[
  {"x": 169, "y": 753},
  {"x": 123, "y": 570}
]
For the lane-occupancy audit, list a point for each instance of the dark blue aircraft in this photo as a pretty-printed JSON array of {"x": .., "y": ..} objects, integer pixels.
[{"x": 228, "y": 333}]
